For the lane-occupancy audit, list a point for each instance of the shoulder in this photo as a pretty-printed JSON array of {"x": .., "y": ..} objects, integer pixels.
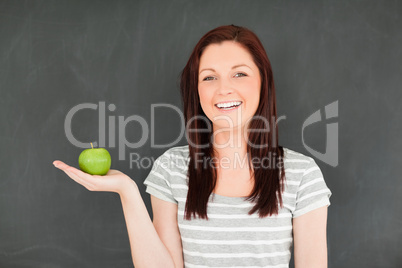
[
  {"x": 298, "y": 165},
  {"x": 174, "y": 157},
  {"x": 292, "y": 156},
  {"x": 178, "y": 152},
  {"x": 306, "y": 188}
]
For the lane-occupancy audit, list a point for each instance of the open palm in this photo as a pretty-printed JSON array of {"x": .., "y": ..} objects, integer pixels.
[{"x": 114, "y": 181}]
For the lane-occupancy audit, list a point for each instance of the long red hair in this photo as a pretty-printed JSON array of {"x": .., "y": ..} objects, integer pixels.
[{"x": 268, "y": 182}]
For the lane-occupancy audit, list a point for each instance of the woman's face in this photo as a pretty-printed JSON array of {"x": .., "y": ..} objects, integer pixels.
[{"x": 227, "y": 73}]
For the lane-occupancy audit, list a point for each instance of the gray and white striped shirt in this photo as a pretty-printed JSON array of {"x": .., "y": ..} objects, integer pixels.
[{"x": 231, "y": 237}]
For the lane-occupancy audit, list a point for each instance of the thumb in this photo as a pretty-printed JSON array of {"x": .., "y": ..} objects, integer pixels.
[{"x": 113, "y": 172}]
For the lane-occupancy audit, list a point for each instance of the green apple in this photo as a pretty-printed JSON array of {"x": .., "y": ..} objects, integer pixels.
[{"x": 95, "y": 161}]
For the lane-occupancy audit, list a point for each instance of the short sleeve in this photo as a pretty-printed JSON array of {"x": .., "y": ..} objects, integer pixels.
[
  {"x": 158, "y": 180},
  {"x": 313, "y": 192}
]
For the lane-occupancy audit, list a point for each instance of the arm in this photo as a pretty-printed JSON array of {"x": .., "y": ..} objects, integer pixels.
[
  {"x": 310, "y": 239},
  {"x": 165, "y": 222},
  {"x": 147, "y": 248}
]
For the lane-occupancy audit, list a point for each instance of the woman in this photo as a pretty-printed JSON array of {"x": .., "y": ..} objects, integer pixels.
[{"x": 232, "y": 197}]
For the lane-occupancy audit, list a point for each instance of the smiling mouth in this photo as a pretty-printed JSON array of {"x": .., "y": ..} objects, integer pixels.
[{"x": 228, "y": 108}]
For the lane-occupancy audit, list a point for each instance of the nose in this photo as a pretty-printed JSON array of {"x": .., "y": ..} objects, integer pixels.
[{"x": 225, "y": 87}]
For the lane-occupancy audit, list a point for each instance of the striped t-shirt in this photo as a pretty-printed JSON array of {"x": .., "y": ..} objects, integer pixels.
[{"x": 231, "y": 237}]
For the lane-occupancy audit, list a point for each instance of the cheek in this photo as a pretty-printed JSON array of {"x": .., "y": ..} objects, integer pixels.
[
  {"x": 250, "y": 85},
  {"x": 205, "y": 99},
  {"x": 256, "y": 88},
  {"x": 253, "y": 94},
  {"x": 205, "y": 95},
  {"x": 256, "y": 84},
  {"x": 251, "y": 89}
]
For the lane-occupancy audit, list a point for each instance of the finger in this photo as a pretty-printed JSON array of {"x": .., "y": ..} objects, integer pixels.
[
  {"x": 72, "y": 173},
  {"x": 73, "y": 177},
  {"x": 113, "y": 172},
  {"x": 77, "y": 172},
  {"x": 60, "y": 165},
  {"x": 81, "y": 174},
  {"x": 79, "y": 179}
]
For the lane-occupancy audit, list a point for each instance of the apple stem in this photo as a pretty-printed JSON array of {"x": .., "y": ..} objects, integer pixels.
[{"x": 91, "y": 145}]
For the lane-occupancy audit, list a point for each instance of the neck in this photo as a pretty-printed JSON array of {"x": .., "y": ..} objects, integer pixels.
[{"x": 231, "y": 146}]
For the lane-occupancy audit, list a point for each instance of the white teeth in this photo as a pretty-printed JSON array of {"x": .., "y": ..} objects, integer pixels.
[{"x": 228, "y": 104}]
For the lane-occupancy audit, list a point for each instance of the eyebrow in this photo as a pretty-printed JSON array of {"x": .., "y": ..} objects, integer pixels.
[{"x": 234, "y": 67}]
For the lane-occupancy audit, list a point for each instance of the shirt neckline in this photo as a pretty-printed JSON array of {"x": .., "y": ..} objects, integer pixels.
[
  {"x": 224, "y": 196},
  {"x": 227, "y": 199}
]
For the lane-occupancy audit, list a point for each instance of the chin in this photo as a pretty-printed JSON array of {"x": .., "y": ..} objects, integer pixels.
[{"x": 227, "y": 126}]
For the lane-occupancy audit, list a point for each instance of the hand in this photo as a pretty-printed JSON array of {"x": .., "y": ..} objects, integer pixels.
[{"x": 114, "y": 181}]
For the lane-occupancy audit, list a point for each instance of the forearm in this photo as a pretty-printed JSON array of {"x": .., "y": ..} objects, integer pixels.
[{"x": 147, "y": 249}]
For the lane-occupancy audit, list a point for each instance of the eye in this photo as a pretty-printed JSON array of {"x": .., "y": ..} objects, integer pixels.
[
  {"x": 208, "y": 78},
  {"x": 240, "y": 74}
]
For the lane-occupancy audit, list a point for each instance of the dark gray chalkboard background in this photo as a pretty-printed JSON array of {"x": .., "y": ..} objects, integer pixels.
[{"x": 55, "y": 55}]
